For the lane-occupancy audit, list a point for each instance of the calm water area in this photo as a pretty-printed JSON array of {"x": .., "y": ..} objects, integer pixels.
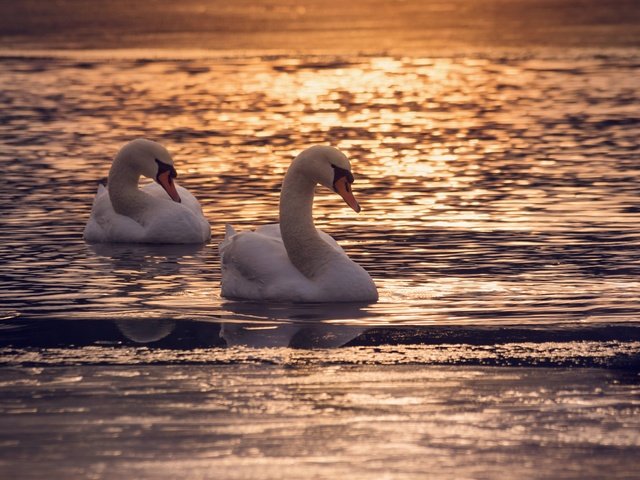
[{"x": 500, "y": 222}]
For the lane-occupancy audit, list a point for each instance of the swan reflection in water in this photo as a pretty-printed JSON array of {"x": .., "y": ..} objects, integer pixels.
[
  {"x": 131, "y": 263},
  {"x": 146, "y": 330},
  {"x": 137, "y": 274},
  {"x": 255, "y": 326},
  {"x": 142, "y": 278},
  {"x": 292, "y": 325}
]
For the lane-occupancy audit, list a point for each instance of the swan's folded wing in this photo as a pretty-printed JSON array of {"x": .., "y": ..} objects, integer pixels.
[
  {"x": 181, "y": 222},
  {"x": 270, "y": 230},
  {"x": 329, "y": 239},
  {"x": 105, "y": 225},
  {"x": 273, "y": 230},
  {"x": 186, "y": 198},
  {"x": 255, "y": 265},
  {"x": 254, "y": 256}
]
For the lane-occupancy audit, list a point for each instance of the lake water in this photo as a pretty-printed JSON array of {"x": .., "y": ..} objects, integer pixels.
[{"x": 500, "y": 223}]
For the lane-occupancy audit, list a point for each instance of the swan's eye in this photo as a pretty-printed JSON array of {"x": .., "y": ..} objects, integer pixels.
[
  {"x": 163, "y": 167},
  {"x": 338, "y": 173}
]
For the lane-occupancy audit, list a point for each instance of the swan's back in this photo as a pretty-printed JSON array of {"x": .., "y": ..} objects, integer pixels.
[
  {"x": 106, "y": 225},
  {"x": 255, "y": 266}
]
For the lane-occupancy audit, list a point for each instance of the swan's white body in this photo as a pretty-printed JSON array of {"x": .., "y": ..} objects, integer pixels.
[
  {"x": 293, "y": 261},
  {"x": 164, "y": 221},
  {"x": 123, "y": 213}
]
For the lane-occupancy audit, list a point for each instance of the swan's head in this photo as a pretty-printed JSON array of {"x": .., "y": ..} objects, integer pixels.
[
  {"x": 329, "y": 167},
  {"x": 153, "y": 161}
]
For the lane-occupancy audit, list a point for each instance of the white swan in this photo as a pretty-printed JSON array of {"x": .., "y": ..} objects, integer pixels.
[
  {"x": 293, "y": 261},
  {"x": 161, "y": 212}
]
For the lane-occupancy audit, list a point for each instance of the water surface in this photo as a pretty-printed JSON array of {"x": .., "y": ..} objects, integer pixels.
[
  {"x": 500, "y": 223},
  {"x": 494, "y": 190}
]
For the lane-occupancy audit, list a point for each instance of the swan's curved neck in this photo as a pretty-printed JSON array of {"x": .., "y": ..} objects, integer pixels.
[
  {"x": 124, "y": 194},
  {"x": 306, "y": 250}
]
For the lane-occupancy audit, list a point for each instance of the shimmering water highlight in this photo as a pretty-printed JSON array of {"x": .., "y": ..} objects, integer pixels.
[
  {"x": 500, "y": 223},
  {"x": 495, "y": 189}
]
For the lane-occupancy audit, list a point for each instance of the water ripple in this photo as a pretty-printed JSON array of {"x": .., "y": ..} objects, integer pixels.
[{"x": 495, "y": 189}]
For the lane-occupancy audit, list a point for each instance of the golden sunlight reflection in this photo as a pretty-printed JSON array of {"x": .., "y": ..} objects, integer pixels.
[
  {"x": 497, "y": 173},
  {"x": 465, "y": 169}
]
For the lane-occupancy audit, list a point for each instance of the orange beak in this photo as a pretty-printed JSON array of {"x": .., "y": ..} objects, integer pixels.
[
  {"x": 166, "y": 181},
  {"x": 343, "y": 188}
]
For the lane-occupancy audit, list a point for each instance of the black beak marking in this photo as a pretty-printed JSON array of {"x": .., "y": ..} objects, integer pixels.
[
  {"x": 163, "y": 167},
  {"x": 338, "y": 173}
]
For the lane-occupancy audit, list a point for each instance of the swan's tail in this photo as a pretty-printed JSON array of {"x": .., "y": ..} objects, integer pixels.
[{"x": 229, "y": 232}]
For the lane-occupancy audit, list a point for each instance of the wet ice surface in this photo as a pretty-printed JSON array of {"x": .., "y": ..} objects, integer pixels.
[
  {"x": 318, "y": 421},
  {"x": 500, "y": 223}
]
